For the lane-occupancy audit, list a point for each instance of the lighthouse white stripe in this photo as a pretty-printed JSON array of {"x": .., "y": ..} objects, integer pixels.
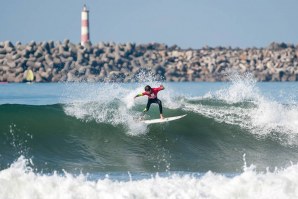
[
  {"x": 84, "y": 31},
  {"x": 84, "y": 15}
]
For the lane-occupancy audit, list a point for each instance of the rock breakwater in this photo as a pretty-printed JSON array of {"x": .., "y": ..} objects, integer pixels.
[{"x": 64, "y": 61}]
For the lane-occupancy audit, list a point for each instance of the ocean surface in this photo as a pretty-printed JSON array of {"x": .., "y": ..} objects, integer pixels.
[{"x": 83, "y": 140}]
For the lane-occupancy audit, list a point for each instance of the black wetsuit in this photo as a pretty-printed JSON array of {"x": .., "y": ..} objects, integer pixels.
[{"x": 155, "y": 100}]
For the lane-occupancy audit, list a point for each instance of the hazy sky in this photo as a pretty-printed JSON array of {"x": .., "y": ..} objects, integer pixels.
[{"x": 187, "y": 23}]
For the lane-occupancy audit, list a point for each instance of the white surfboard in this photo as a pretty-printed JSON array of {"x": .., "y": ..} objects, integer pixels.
[{"x": 166, "y": 119}]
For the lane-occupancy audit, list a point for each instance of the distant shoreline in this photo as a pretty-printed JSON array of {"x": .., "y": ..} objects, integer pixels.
[{"x": 64, "y": 61}]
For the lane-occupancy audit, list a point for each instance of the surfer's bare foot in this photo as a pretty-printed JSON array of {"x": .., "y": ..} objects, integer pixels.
[{"x": 161, "y": 117}]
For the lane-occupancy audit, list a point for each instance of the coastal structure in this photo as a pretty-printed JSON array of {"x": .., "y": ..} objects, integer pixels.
[
  {"x": 85, "y": 37},
  {"x": 66, "y": 61}
]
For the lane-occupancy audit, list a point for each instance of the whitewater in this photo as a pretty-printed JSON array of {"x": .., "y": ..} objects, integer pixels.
[
  {"x": 81, "y": 140},
  {"x": 19, "y": 181}
]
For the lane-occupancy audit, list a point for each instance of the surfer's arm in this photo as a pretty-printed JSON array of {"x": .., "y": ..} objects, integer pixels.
[
  {"x": 161, "y": 87},
  {"x": 139, "y": 95}
]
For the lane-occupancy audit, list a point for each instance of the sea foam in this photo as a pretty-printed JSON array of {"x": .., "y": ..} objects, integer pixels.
[{"x": 20, "y": 181}]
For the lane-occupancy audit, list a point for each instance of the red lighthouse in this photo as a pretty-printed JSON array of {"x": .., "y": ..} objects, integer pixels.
[{"x": 85, "y": 26}]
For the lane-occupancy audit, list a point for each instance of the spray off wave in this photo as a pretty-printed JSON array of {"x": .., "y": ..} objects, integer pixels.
[
  {"x": 243, "y": 104},
  {"x": 114, "y": 104}
]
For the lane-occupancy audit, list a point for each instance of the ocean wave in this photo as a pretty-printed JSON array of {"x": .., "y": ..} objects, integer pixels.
[
  {"x": 98, "y": 128},
  {"x": 210, "y": 137}
]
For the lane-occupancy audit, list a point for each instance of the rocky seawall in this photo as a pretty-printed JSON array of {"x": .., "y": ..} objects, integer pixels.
[{"x": 64, "y": 61}]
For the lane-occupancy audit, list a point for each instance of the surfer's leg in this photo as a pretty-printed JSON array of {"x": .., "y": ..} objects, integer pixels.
[
  {"x": 160, "y": 105},
  {"x": 148, "y": 105}
]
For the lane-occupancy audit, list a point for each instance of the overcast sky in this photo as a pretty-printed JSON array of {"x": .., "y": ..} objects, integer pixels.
[{"x": 187, "y": 23}]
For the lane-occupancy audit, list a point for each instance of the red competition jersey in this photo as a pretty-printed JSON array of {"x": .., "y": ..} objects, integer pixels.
[{"x": 153, "y": 95}]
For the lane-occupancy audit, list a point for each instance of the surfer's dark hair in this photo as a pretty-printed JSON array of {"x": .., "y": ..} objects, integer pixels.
[{"x": 147, "y": 88}]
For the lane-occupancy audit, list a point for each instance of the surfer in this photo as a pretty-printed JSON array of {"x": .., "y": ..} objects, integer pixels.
[{"x": 152, "y": 98}]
